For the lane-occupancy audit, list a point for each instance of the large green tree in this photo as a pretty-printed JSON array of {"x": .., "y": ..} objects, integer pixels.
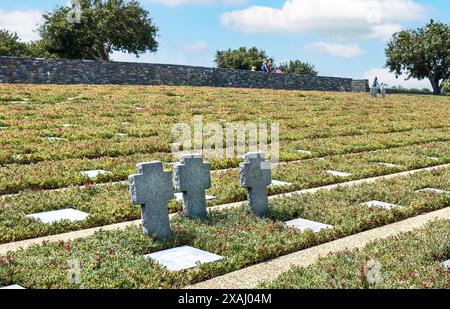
[
  {"x": 421, "y": 53},
  {"x": 104, "y": 26},
  {"x": 241, "y": 58},
  {"x": 10, "y": 44},
  {"x": 298, "y": 67}
]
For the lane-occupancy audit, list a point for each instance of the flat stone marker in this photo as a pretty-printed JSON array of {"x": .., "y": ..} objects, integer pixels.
[
  {"x": 192, "y": 178},
  {"x": 301, "y": 151},
  {"x": 277, "y": 183},
  {"x": 121, "y": 134},
  {"x": 303, "y": 225},
  {"x": 432, "y": 190},
  {"x": 181, "y": 258},
  {"x": 256, "y": 176},
  {"x": 67, "y": 125},
  {"x": 54, "y": 138},
  {"x": 94, "y": 173},
  {"x": 434, "y": 158},
  {"x": 3, "y": 128},
  {"x": 12, "y": 287},
  {"x": 152, "y": 188},
  {"x": 384, "y": 205},
  {"x": 54, "y": 216},
  {"x": 179, "y": 197},
  {"x": 446, "y": 264},
  {"x": 392, "y": 165},
  {"x": 338, "y": 174}
]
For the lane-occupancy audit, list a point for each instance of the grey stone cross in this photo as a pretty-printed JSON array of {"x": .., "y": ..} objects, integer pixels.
[
  {"x": 152, "y": 188},
  {"x": 192, "y": 178},
  {"x": 256, "y": 176}
]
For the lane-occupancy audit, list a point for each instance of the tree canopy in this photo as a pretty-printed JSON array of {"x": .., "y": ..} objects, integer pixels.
[
  {"x": 421, "y": 53},
  {"x": 446, "y": 85},
  {"x": 10, "y": 44},
  {"x": 104, "y": 26},
  {"x": 298, "y": 67},
  {"x": 241, "y": 58}
]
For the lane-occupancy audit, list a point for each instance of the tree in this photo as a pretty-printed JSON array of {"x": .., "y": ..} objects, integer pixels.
[
  {"x": 37, "y": 49},
  {"x": 421, "y": 53},
  {"x": 105, "y": 26},
  {"x": 298, "y": 67},
  {"x": 241, "y": 59},
  {"x": 446, "y": 85},
  {"x": 10, "y": 44}
]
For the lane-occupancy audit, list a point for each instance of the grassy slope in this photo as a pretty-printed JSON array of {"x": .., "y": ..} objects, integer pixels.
[{"x": 410, "y": 260}]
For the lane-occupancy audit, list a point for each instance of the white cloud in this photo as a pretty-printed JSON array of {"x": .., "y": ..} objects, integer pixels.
[
  {"x": 201, "y": 2},
  {"x": 337, "y": 18},
  {"x": 22, "y": 22},
  {"x": 386, "y": 77},
  {"x": 195, "y": 48},
  {"x": 339, "y": 50}
]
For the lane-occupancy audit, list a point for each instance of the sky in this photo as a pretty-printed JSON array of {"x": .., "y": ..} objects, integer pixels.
[{"x": 344, "y": 38}]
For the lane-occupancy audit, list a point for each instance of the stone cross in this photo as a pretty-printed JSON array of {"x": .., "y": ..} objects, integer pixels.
[
  {"x": 192, "y": 178},
  {"x": 256, "y": 176},
  {"x": 152, "y": 188}
]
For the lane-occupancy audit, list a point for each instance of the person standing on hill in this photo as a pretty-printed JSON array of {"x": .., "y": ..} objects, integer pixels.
[
  {"x": 265, "y": 67},
  {"x": 375, "y": 87},
  {"x": 376, "y": 83}
]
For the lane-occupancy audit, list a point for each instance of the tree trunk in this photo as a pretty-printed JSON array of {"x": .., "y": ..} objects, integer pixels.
[{"x": 435, "y": 84}]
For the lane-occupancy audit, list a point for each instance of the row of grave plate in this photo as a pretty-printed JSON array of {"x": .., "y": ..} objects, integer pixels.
[
  {"x": 185, "y": 257},
  {"x": 74, "y": 215}
]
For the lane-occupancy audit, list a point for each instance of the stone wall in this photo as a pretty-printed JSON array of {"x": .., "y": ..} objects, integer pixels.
[
  {"x": 63, "y": 71},
  {"x": 360, "y": 85}
]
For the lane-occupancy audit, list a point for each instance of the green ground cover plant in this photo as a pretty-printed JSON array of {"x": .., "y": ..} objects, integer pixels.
[
  {"x": 59, "y": 174},
  {"x": 408, "y": 261},
  {"x": 110, "y": 203},
  {"x": 88, "y": 119}
]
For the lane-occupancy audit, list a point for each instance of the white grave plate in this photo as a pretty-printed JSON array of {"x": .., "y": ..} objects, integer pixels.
[
  {"x": 121, "y": 134},
  {"x": 301, "y": 151},
  {"x": 181, "y": 258},
  {"x": 392, "y": 165},
  {"x": 277, "y": 183},
  {"x": 446, "y": 264},
  {"x": 339, "y": 174},
  {"x": 53, "y": 138},
  {"x": 12, "y": 287},
  {"x": 67, "y": 125},
  {"x": 434, "y": 158},
  {"x": 179, "y": 197},
  {"x": 303, "y": 225},
  {"x": 3, "y": 128},
  {"x": 94, "y": 173},
  {"x": 431, "y": 190},
  {"x": 382, "y": 205},
  {"x": 50, "y": 217}
]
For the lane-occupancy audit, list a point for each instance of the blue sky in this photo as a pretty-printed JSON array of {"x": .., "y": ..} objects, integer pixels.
[{"x": 340, "y": 37}]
